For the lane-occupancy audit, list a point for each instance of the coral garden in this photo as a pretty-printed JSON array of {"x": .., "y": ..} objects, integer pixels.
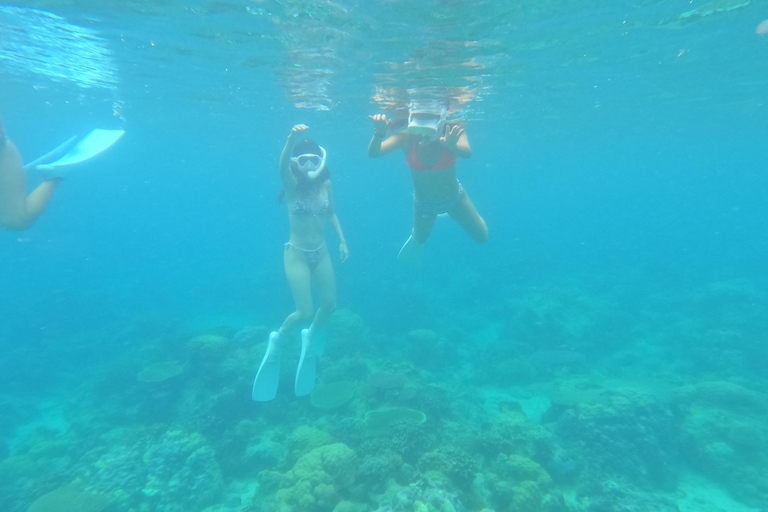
[{"x": 565, "y": 406}]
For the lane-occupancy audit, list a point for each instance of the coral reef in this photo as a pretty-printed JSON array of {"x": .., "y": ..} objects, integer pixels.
[
  {"x": 518, "y": 483},
  {"x": 729, "y": 447},
  {"x": 333, "y": 394},
  {"x": 305, "y": 438},
  {"x": 170, "y": 471},
  {"x": 449, "y": 461},
  {"x": 70, "y": 499},
  {"x": 160, "y": 372},
  {"x": 317, "y": 482},
  {"x": 536, "y": 408},
  {"x": 346, "y": 333},
  {"x": 610, "y": 496},
  {"x": 208, "y": 347},
  {"x": 421, "y": 496},
  {"x": 628, "y": 435},
  {"x": 382, "y": 421}
]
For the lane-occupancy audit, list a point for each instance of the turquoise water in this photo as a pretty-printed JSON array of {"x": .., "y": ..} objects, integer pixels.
[{"x": 605, "y": 351}]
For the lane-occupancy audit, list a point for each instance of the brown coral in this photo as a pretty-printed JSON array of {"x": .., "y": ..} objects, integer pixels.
[
  {"x": 70, "y": 499},
  {"x": 159, "y": 372},
  {"x": 334, "y": 394}
]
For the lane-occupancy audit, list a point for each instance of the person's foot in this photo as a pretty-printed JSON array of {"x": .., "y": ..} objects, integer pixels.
[
  {"x": 268, "y": 376},
  {"x": 51, "y": 172},
  {"x": 305, "y": 373}
]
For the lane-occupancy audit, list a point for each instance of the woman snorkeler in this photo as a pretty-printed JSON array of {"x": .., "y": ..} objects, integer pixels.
[
  {"x": 432, "y": 147},
  {"x": 307, "y": 189}
]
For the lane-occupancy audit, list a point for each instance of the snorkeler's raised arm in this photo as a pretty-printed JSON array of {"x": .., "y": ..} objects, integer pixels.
[
  {"x": 336, "y": 225},
  {"x": 455, "y": 140},
  {"x": 285, "y": 157},
  {"x": 380, "y": 144}
]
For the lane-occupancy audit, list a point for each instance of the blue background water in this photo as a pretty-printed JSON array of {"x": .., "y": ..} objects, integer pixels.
[{"x": 615, "y": 146}]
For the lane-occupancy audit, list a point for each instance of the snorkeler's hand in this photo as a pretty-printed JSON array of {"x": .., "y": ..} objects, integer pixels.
[
  {"x": 452, "y": 135},
  {"x": 343, "y": 251},
  {"x": 380, "y": 123},
  {"x": 297, "y": 130}
]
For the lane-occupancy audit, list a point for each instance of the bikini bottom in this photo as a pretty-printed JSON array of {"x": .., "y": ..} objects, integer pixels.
[
  {"x": 441, "y": 206},
  {"x": 311, "y": 256}
]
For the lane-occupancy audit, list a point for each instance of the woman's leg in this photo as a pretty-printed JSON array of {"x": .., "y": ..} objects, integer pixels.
[
  {"x": 326, "y": 287},
  {"x": 422, "y": 224},
  {"x": 299, "y": 279},
  {"x": 297, "y": 271},
  {"x": 17, "y": 210},
  {"x": 325, "y": 280},
  {"x": 467, "y": 217}
]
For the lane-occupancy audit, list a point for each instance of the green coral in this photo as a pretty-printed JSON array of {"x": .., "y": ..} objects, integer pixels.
[
  {"x": 513, "y": 432},
  {"x": 452, "y": 462},
  {"x": 517, "y": 468},
  {"x": 314, "y": 483},
  {"x": 208, "y": 347},
  {"x": 305, "y": 439},
  {"x": 518, "y": 483},
  {"x": 381, "y": 421},
  {"x": 726, "y": 395},
  {"x": 729, "y": 448},
  {"x": 348, "y": 506}
]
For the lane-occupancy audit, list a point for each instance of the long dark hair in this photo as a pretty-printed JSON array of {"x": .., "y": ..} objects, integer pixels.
[{"x": 304, "y": 185}]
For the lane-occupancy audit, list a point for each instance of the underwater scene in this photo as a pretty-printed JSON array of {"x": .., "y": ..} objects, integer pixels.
[{"x": 383, "y": 256}]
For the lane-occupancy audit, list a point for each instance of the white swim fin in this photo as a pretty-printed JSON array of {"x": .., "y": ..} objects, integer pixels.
[
  {"x": 52, "y": 155},
  {"x": 54, "y": 163},
  {"x": 305, "y": 373},
  {"x": 412, "y": 252},
  {"x": 268, "y": 376}
]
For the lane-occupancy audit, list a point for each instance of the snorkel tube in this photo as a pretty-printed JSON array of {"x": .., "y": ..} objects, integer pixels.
[
  {"x": 314, "y": 174},
  {"x": 308, "y": 169}
]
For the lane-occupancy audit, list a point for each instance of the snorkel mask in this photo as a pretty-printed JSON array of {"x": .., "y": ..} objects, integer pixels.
[
  {"x": 310, "y": 164},
  {"x": 426, "y": 120}
]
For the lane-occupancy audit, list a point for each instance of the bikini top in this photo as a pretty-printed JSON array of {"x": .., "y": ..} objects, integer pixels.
[
  {"x": 317, "y": 205},
  {"x": 446, "y": 160}
]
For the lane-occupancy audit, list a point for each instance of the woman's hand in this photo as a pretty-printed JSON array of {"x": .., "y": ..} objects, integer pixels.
[
  {"x": 380, "y": 123},
  {"x": 343, "y": 251},
  {"x": 452, "y": 135},
  {"x": 297, "y": 130}
]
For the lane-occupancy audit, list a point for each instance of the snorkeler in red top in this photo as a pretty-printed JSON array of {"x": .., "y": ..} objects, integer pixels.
[{"x": 432, "y": 147}]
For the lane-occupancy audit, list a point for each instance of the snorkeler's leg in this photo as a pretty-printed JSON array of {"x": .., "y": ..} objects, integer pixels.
[
  {"x": 300, "y": 281},
  {"x": 325, "y": 279},
  {"x": 268, "y": 376},
  {"x": 467, "y": 217},
  {"x": 17, "y": 210},
  {"x": 412, "y": 251},
  {"x": 422, "y": 225},
  {"x": 310, "y": 347}
]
